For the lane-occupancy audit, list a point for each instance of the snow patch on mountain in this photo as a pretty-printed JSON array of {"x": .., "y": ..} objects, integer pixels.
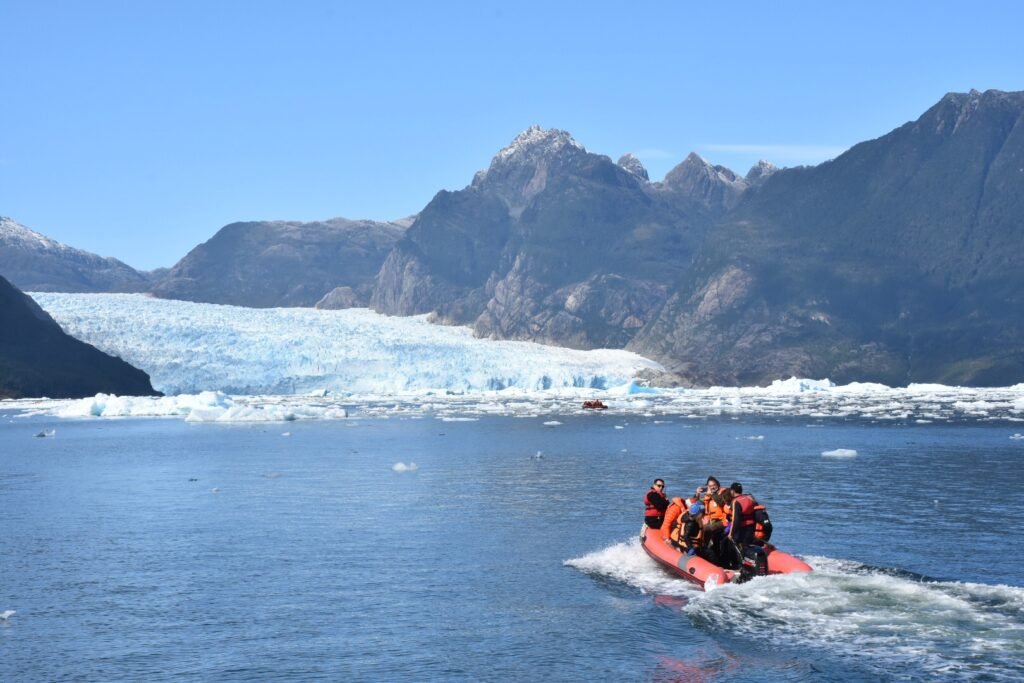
[
  {"x": 14, "y": 234},
  {"x": 631, "y": 163},
  {"x": 536, "y": 140}
]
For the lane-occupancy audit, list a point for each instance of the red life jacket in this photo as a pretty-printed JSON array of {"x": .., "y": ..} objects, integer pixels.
[
  {"x": 746, "y": 504},
  {"x": 649, "y": 509}
]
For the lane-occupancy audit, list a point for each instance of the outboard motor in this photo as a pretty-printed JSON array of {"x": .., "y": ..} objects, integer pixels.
[{"x": 755, "y": 563}]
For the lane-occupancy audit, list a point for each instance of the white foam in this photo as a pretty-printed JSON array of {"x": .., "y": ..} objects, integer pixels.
[
  {"x": 552, "y": 423},
  {"x": 876, "y": 618},
  {"x": 840, "y": 453},
  {"x": 402, "y": 467},
  {"x": 882, "y": 622},
  {"x": 627, "y": 562}
]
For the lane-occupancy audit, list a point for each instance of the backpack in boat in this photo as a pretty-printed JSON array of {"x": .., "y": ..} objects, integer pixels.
[{"x": 762, "y": 524}]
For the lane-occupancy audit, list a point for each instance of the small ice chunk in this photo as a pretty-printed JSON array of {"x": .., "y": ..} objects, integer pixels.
[
  {"x": 619, "y": 427},
  {"x": 552, "y": 423},
  {"x": 1017, "y": 437},
  {"x": 402, "y": 467},
  {"x": 840, "y": 453}
]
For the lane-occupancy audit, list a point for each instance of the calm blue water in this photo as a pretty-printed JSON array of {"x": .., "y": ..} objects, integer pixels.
[{"x": 157, "y": 550}]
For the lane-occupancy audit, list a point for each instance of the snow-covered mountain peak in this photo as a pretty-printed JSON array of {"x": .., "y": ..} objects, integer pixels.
[
  {"x": 13, "y": 233},
  {"x": 536, "y": 141},
  {"x": 760, "y": 171},
  {"x": 629, "y": 162}
]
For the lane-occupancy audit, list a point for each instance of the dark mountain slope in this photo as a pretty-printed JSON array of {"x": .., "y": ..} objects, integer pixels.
[
  {"x": 38, "y": 359},
  {"x": 282, "y": 263},
  {"x": 896, "y": 262}
]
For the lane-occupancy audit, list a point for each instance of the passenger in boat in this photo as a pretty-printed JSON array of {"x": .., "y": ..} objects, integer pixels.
[
  {"x": 741, "y": 528},
  {"x": 686, "y": 535},
  {"x": 675, "y": 510},
  {"x": 655, "y": 504},
  {"x": 713, "y": 523}
]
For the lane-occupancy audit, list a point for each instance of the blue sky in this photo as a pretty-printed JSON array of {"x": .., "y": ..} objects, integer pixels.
[{"x": 138, "y": 129}]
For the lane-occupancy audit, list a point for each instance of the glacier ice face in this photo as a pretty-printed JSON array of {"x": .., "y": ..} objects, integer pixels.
[{"x": 188, "y": 348}]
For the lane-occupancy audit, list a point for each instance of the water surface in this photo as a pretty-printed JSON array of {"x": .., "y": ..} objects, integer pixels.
[{"x": 156, "y": 549}]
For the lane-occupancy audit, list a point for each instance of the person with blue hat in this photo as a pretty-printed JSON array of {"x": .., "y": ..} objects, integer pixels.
[{"x": 689, "y": 536}]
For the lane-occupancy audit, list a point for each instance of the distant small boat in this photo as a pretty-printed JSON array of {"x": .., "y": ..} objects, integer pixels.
[
  {"x": 707, "y": 574},
  {"x": 595, "y": 404}
]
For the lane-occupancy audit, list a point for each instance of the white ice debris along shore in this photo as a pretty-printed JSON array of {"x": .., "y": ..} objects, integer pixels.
[{"x": 189, "y": 348}]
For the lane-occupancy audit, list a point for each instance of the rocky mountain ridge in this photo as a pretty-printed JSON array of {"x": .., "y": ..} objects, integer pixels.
[
  {"x": 895, "y": 262},
  {"x": 283, "y": 263},
  {"x": 38, "y": 263}
]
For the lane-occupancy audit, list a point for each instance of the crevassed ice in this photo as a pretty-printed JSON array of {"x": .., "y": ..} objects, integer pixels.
[
  {"x": 289, "y": 364},
  {"x": 188, "y": 348}
]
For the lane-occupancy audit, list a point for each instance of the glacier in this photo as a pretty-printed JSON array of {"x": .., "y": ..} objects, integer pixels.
[{"x": 189, "y": 348}]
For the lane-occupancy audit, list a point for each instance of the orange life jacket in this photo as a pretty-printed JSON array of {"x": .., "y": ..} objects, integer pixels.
[
  {"x": 762, "y": 524},
  {"x": 674, "y": 511},
  {"x": 713, "y": 510}
]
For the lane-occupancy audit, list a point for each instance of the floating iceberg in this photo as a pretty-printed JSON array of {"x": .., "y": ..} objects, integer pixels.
[{"x": 208, "y": 406}]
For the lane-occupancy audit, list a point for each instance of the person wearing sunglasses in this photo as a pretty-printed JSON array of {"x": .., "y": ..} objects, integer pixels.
[{"x": 655, "y": 504}]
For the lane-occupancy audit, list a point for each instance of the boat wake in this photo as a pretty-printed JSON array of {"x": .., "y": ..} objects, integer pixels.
[{"x": 889, "y": 621}]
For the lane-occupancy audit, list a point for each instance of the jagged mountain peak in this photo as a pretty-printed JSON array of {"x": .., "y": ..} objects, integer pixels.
[
  {"x": 631, "y": 163},
  {"x": 956, "y": 109},
  {"x": 520, "y": 171},
  {"x": 696, "y": 166},
  {"x": 536, "y": 140},
  {"x": 716, "y": 187},
  {"x": 760, "y": 171}
]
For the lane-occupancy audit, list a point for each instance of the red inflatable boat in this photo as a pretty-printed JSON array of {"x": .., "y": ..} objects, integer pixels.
[{"x": 708, "y": 575}]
